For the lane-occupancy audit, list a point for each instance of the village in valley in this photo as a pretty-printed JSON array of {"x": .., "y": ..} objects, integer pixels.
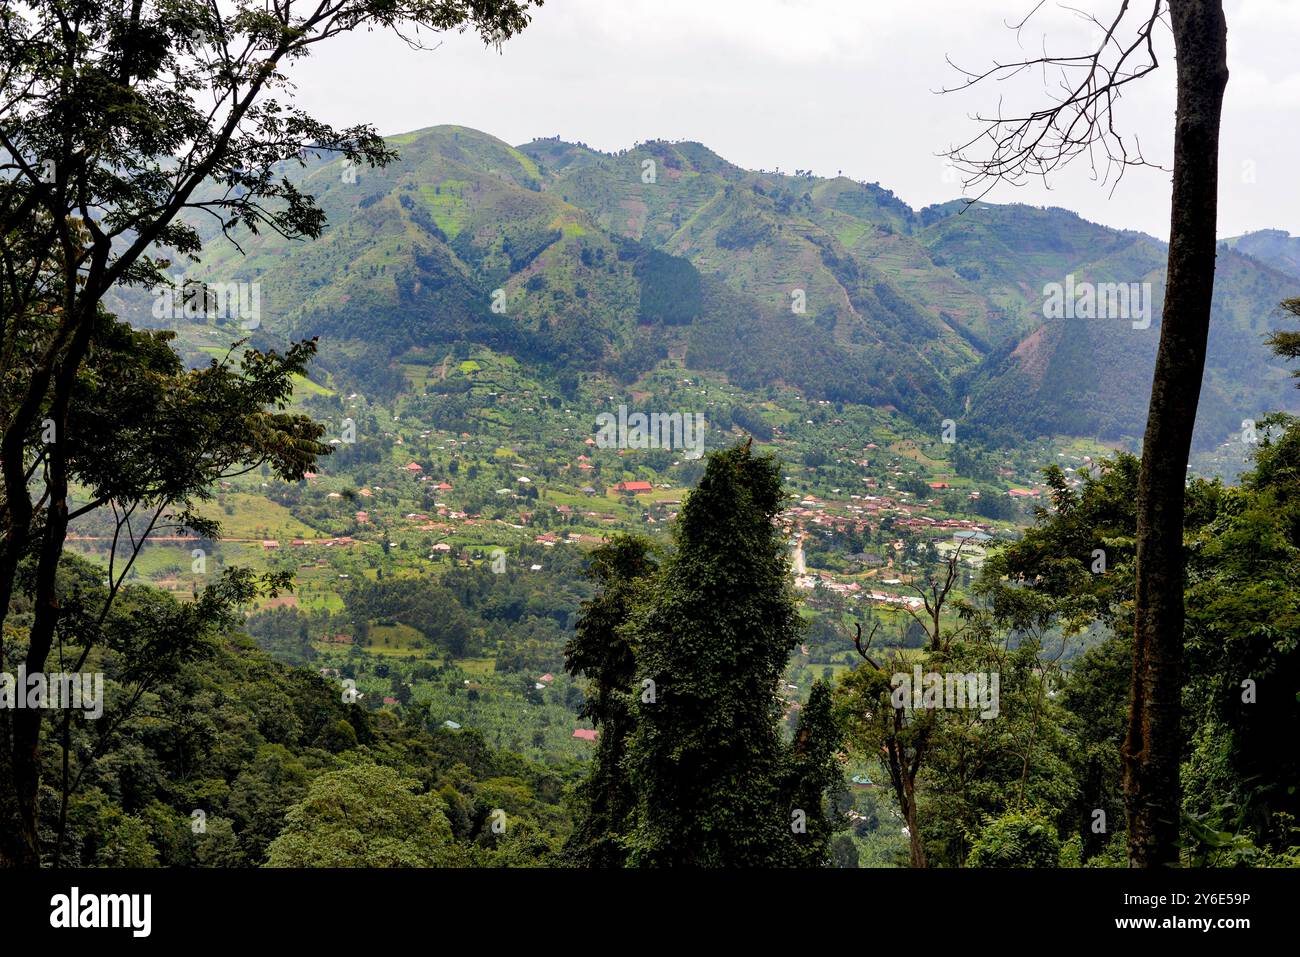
[{"x": 438, "y": 554}]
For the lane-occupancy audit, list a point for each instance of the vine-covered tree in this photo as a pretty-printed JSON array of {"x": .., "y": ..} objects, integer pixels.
[
  {"x": 707, "y": 762},
  {"x": 601, "y": 651}
]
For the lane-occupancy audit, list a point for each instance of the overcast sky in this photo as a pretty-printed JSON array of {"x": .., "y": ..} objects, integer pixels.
[{"x": 826, "y": 85}]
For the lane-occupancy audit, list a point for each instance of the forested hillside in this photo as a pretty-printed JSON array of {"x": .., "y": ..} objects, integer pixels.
[{"x": 573, "y": 260}]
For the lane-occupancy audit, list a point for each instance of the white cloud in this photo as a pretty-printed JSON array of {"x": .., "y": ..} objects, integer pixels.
[
  {"x": 823, "y": 84},
  {"x": 1251, "y": 89}
]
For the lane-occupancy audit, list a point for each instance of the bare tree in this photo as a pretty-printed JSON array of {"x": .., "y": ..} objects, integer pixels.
[
  {"x": 906, "y": 742},
  {"x": 934, "y": 594},
  {"x": 903, "y": 752},
  {"x": 1081, "y": 123}
]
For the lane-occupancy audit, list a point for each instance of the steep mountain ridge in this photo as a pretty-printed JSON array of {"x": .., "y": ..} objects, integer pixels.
[{"x": 580, "y": 262}]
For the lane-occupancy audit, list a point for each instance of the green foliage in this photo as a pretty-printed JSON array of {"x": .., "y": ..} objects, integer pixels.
[
  {"x": 1286, "y": 343},
  {"x": 366, "y": 815},
  {"x": 1242, "y": 642},
  {"x": 601, "y": 650},
  {"x": 814, "y": 771},
  {"x": 1243, "y": 652},
  {"x": 1095, "y": 698},
  {"x": 238, "y": 741},
  {"x": 844, "y": 853},
  {"x": 670, "y": 288},
  {"x": 429, "y": 608},
  {"x": 718, "y": 624},
  {"x": 682, "y": 655},
  {"x": 1086, "y": 529},
  {"x": 1016, "y": 839}
]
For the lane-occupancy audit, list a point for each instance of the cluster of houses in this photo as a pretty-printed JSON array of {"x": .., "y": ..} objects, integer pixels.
[
  {"x": 864, "y": 513},
  {"x": 341, "y": 541},
  {"x": 856, "y": 591}
]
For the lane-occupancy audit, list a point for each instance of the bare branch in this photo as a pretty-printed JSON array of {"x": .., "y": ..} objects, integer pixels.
[{"x": 1079, "y": 121}]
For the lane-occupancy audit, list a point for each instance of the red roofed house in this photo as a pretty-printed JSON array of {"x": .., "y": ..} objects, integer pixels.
[
  {"x": 635, "y": 487},
  {"x": 586, "y": 734},
  {"x": 414, "y": 467}
]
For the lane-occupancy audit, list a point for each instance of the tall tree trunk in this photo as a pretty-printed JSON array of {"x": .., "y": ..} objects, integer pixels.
[
  {"x": 20, "y": 843},
  {"x": 1152, "y": 794},
  {"x": 27, "y": 722},
  {"x": 915, "y": 847}
]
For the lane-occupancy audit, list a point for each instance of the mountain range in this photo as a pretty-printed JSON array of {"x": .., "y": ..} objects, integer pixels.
[{"x": 580, "y": 262}]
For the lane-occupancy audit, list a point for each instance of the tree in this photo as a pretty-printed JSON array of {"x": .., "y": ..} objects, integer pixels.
[
  {"x": 902, "y": 735},
  {"x": 1243, "y": 649},
  {"x": 1081, "y": 122},
  {"x": 1287, "y": 343},
  {"x": 116, "y": 119},
  {"x": 1240, "y": 644},
  {"x": 708, "y": 766},
  {"x": 814, "y": 772},
  {"x": 145, "y": 439},
  {"x": 365, "y": 816},
  {"x": 1016, "y": 839},
  {"x": 262, "y": 792},
  {"x": 601, "y": 651},
  {"x": 844, "y": 852}
]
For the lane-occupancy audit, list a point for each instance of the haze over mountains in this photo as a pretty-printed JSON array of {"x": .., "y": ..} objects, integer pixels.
[{"x": 577, "y": 261}]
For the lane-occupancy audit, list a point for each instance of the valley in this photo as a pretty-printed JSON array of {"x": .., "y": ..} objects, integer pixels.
[{"x": 491, "y": 318}]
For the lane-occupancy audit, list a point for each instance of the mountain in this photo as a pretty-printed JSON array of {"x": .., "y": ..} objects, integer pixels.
[
  {"x": 579, "y": 262},
  {"x": 1273, "y": 247}
]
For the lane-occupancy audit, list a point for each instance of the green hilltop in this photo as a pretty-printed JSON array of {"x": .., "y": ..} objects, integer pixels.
[{"x": 576, "y": 261}]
